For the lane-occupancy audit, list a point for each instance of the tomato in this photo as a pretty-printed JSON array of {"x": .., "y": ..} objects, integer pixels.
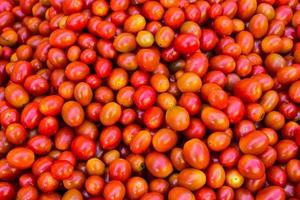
[
  {"x": 180, "y": 193},
  {"x": 249, "y": 90},
  {"x": 7, "y": 190},
  {"x": 277, "y": 176},
  {"x": 205, "y": 193},
  {"x": 215, "y": 175},
  {"x": 72, "y": 113},
  {"x": 153, "y": 196},
  {"x": 114, "y": 190},
  {"x": 83, "y": 147},
  {"x": 72, "y": 194},
  {"x": 229, "y": 157},
  {"x": 234, "y": 179},
  {"x": 61, "y": 169},
  {"x": 158, "y": 164},
  {"x": 164, "y": 37},
  {"x": 218, "y": 141},
  {"x": 20, "y": 158},
  {"x": 144, "y": 97},
  {"x": 136, "y": 187},
  {"x": 186, "y": 43},
  {"x": 189, "y": 82},
  {"x": 223, "y": 25},
  {"x": 159, "y": 185},
  {"x": 235, "y": 109},
  {"x": 251, "y": 167},
  {"x": 225, "y": 192},
  {"x": 40, "y": 144},
  {"x": 269, "y": 157},
  {"x": 196, "y": 153},
  {"x": 192, "y": 179},
  {"x": 174, "y": 17},
  {"x": 153, "y": 117},
  {"x": 140, "y": 142},
  {"x": 177, "y": 118},
  {"x": 119, "y": 169},
  {"x": 271, "y": 192},
  {"x": 153, "y": 10},
  {"x": 214, "y": 119},
  {"x": 286, "y": 150},
  {"x": 16, "y": 95},
  {"x": 254, "y": 143},
  {"x": 164, "y": 140},
  {"x": 292, "y": 170},
  {"x": 77, "y": 71},
  {"x": 51, "y": 105},
  {"x": 62, "y": 38}
]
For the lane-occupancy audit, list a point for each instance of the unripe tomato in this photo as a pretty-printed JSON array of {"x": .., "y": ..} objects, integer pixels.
[{"x": 234, "y": 179}]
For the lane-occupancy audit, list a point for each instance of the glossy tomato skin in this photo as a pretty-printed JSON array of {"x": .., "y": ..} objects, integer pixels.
[
  {"x": 72, "y": 113},
  {"x": 110, "y": 137},
  {"x": 158, "y": 164},
  {"x": 83, "y": 147},
  {"x": 136, "y": 187},
  {"x": 20, "y": 158},
  {"x": 235, "y": 109},
  {"x": 7, "y": 191},
  {"x": 271, "y": 192},
  {"x": 255, "y": 143},
  {"x": 153, "y": 117},
  {"x": 215, "y": 175},
  {"x": 214, "y": 119},
  {"x": 180, "y": 193},
  {"x": 196, "y": 153},
  {"x": 114, "y": 190},
  {"x": 251, "y": 167},
  {"x": 120, "y": 170},
  {"x": 144, "y": 97},
  {"x": 62, "y": 38},
  {"x": 229, "y": 157},
  {"x": 176, "y": 99},
  {"x": 192, "y": 179},
  {"x": 277, "y": 176},
  {"x": 286, "y": 150},
  {"x": 187, "y": 43},
  {"x": 248, "y": 90},
  {"x": 177, "y": 118}
]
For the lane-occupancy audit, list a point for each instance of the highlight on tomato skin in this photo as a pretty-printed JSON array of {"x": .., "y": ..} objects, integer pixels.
[{"x": 149, "y": 99}]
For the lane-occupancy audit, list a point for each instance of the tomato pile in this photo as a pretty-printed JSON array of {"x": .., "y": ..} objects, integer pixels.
[{"x": 149, "y": 99}]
